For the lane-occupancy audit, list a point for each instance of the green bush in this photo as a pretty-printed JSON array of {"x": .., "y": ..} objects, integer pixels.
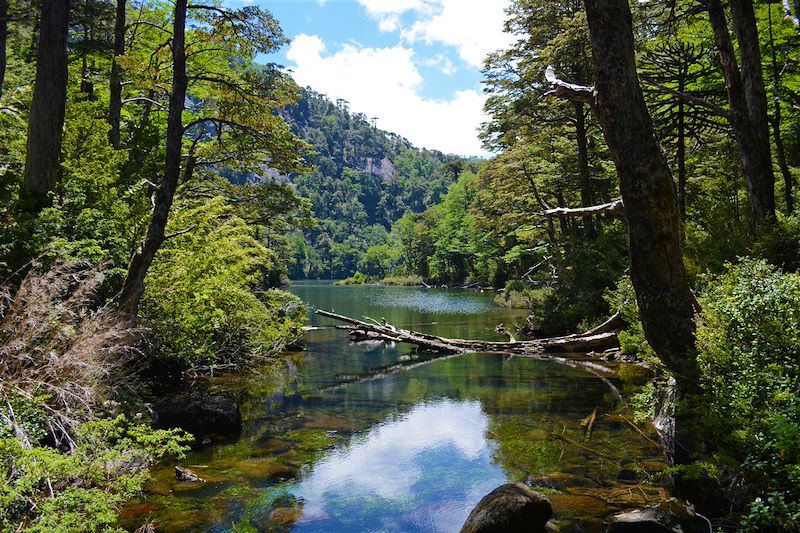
[
  {"x": 200, "y": 300},
  {"x": 749, "y": 355},
  {"x": 632, "y": 341},
  {"x": 43, "y": 489}
]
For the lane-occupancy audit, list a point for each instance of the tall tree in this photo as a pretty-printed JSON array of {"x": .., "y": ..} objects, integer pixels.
[
  {"x": 657, "y": 270},
  {"x": 115, "y": 83},
  {"x": 231, "y": 118},
  {"x": 133, "y": 288},
  {"x": 747, "y": 101},
  {"x": 46, "y": 122},
  {"x": 3, "y": 41}
]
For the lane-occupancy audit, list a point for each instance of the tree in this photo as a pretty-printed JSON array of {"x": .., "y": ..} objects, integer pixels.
[
  {"x": 656, "y": 264},
  {"x": 115, "y": 82},
  {"x": 133, "y": 289},
  {"x": 3, "y": 41},
  {"x": 672, "y": 70},
  {"x": 46, "y": 121},
  {"x": 230, "y": 114},
  {"x": 747, "y": 101}
]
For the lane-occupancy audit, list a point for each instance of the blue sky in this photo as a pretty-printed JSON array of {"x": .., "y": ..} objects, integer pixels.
[{"x": 414, "y": 64}]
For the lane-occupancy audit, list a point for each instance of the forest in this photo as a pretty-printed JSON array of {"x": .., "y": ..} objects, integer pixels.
[{"x": 160, "y": 185}]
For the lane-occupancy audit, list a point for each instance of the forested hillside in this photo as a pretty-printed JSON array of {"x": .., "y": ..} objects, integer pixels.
[{"x": 363, "y": 180}]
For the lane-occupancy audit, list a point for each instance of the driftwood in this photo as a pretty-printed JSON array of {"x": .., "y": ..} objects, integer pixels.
[{"x": 599, "y": 339}]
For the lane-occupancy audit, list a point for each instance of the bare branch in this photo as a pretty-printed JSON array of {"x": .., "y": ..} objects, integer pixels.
[
  {"x": 615, "y": 208},
  {"x": 182, "y": 232},
  {"x": 568, "y": 91}
]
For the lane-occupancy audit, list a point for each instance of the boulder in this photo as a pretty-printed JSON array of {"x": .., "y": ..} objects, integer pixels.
[
  {"x": 199, "y": 414},
  {"x": 670, "y": 516},
  {"x": 510, "y": 508}
]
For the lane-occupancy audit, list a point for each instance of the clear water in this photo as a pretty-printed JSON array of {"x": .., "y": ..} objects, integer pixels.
[{"x": 353, "y": 437}]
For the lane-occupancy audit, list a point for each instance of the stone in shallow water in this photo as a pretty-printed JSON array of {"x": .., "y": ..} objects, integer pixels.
[
  {"x": 579, "y": 506},
  {"x": 263, "y": 469},
  {"x": 184, "y": 474},
  {"x": 199, "y": 414},
  {"x": 670, "y": 516},
  {"x": 510, "y": 508}
]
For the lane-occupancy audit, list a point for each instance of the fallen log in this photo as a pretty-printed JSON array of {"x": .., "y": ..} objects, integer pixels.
[{"x": 591, "y": 341}]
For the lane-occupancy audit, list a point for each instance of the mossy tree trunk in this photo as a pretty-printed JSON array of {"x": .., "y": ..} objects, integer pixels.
[
  {"x": 48, "y": 107},
  {"x": 648, "y": 192}
]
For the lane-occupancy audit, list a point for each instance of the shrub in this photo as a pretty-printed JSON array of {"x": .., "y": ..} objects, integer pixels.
[
  {"x": 44, "y": 489},
  {"x": 60, "y": 358},
  {"x": 199, "y": 300},
  {"x": 749, "y": 354}
]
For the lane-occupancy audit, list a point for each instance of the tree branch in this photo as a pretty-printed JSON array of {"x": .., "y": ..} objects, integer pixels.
[
  {"x": 717, "y": 110},
  {"x": 568, "y": 91},
  {"x": 615, "y": 208}
]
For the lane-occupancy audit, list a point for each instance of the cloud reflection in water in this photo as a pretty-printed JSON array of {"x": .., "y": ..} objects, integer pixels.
[{"x": 422, "y": 471}]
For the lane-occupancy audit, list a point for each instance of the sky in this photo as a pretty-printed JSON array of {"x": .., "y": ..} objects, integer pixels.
[{"x": 413, "y": 64}]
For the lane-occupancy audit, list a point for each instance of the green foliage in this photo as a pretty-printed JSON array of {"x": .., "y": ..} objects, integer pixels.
[
  {"x": 632, "y": 341},
  {"x": 749, "y": 351},
  {"x": 46, "y": 490},
  {"x": 356, "y": 279},
  {"x": 199, "y": 298},
  {"x": 644, "y": 404},
  {"x": 403, "y": 281},
  {"x": 364, "y": 180}
]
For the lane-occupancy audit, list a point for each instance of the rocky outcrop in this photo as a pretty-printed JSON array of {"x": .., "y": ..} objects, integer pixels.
[
  {"x": 510, "y": 508},
  {"x": 199, "y": 414}
]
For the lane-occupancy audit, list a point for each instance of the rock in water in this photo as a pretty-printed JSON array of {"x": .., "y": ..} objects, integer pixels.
[
  {"x": 184, "y": 474},
  {"x": 510, "y": 508},
  {"x": 670, "y": 516},
  {"x": 199, "y": 414}
]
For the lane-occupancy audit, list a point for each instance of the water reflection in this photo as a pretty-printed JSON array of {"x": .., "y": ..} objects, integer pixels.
[
  {"x": 437, "y": 452},
  {"x": 412, "y": 451}
]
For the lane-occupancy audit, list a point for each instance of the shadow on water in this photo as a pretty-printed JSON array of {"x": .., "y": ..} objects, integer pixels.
[{"x": 411, "y": 451}]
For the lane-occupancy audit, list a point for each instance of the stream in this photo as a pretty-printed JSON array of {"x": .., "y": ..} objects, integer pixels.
[{"x": 378, "y": 438}]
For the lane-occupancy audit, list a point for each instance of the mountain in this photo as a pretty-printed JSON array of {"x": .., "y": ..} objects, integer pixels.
[{"x": 363, "y": 180}]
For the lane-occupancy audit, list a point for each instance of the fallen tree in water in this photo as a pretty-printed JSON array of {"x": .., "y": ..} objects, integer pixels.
[{"x": 601, "y": 338}]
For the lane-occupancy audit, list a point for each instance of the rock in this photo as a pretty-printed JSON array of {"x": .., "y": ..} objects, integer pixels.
[
  {"x": 670, "y": 516},
  {"x": 510, "y": 508},
  {"x": 184, "y": 474},
  {"x": 199, "y": 414}
]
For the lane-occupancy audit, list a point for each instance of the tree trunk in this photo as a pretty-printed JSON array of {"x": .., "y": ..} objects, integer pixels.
[
  {"x": 3, "y": 41},
  {"x": 133, "y": 288},
  {"x": 749, "y": 123},
  {"x": 657, "y": 270},
  {"x": 780, "y": 152},
  {"x": 46, "y": 122},
  {"x": 583, "y": 165},
  {"x": 115, "y": 101},
  {"x": 681, "y": 152}
]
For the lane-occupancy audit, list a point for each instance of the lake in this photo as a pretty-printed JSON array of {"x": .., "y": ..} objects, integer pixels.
[{"x": 374, "y": 437}]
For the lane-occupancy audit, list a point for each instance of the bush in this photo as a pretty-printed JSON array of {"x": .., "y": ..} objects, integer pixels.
[
  {"x": 59, "y": 357},
  {"x": 200, "y": 299},
  {"x": 749, "y": 355},
  {"x": 43, "y": 489},
  {"x": 632, "y": 341}
]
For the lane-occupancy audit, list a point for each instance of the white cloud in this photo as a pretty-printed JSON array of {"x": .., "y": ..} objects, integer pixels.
[
  {"x": 385, "y": 83},
  {"x": 473, "y": 27},
  {"x": 443, "y": 63}
]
